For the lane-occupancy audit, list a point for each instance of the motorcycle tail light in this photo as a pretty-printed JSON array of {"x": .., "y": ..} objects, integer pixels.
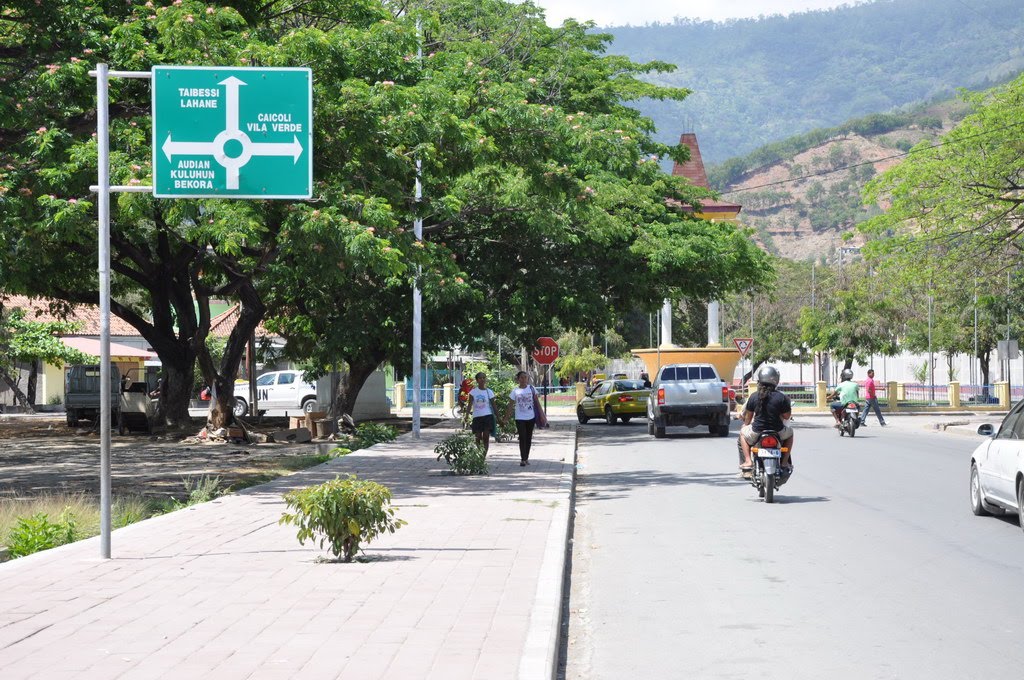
[
  {"x": 624, "y": 399},
  {"x": 769, "y": 442},
  {"x": 851, "y": 405},
  {"x": 661, "y": 396}
]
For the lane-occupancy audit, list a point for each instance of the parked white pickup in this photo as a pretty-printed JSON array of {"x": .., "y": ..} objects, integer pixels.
[{"x": 277, "y": 390}]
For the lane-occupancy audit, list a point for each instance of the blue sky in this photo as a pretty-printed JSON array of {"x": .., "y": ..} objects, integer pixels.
[{"x": 618, "y": 13}]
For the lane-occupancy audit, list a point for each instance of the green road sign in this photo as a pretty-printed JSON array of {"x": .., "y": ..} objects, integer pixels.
[{"x": 232, "y": 132}]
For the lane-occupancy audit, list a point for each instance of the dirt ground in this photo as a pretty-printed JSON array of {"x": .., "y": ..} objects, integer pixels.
[{"x": 41, "y": 454}]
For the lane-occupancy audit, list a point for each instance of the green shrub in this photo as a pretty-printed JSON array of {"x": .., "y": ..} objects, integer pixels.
[
  {"x": 37, "y": 532},
  {"x": 463, "y": 455},
  {"x": 342, "y": 512},
  {"x": 368, "y": 434},
  {"x": 197, "y": 490}
]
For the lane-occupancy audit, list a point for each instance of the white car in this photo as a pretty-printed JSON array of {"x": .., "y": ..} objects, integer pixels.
[
  {"x": 277, "y": 390},
  {"x": 997, "y": 467}
]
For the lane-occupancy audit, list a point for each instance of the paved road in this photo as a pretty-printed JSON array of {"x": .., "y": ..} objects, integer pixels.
[{"x": 869, "y": 565}]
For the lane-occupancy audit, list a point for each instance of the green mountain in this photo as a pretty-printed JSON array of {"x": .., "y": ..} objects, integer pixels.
[{"x": 756, "y": 81}]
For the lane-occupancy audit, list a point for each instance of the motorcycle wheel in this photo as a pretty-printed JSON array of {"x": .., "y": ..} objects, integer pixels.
[
  {"x": 853, "y": 429},
  {"x": 760, "y": 491},
  {"x": 769, "y": 490}
]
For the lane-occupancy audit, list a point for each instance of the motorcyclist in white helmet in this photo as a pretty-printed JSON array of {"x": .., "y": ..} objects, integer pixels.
[
  {"x": 845, "y": 392},
  {"x": 766, "y": 409}
]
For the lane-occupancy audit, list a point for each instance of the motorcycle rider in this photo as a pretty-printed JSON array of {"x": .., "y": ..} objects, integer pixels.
[
  {"x": 845, "y": 392},
  {"x": 766, "y": 409}
]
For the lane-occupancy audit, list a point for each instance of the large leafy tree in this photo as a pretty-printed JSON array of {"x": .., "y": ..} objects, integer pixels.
[
  {"x": 531, "y": 165},
  {"x": 959, "y": 206},
  {"x": 543, "y": 205}
]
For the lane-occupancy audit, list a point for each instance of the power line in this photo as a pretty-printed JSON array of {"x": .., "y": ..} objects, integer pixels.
[{"x": 903, "y": 154}]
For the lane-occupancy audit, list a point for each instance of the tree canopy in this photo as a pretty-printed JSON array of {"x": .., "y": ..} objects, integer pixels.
[{"x": 543, "y": 198}]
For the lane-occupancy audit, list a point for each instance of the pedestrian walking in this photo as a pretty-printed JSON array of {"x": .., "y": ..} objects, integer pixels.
[
  {"x": 871, "y": 399},
  {"x": 528, "y": 414},
  {"x": 481, "y": 404}
]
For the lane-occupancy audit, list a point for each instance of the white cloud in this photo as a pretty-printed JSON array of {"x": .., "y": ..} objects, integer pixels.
[{"x": 619, "y": 13}]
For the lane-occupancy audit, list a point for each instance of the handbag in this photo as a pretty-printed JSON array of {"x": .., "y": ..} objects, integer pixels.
[{"x": 540, "y": 418}]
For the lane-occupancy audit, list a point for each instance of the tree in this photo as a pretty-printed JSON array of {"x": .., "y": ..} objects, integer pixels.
[
  {"x": 31, "y": 342},
  {"x": 962, "y": 200},
  {"x": 543, "y": 203},
  {"x": 519, "y": 129},
  {"x": 853, "y": 317}
]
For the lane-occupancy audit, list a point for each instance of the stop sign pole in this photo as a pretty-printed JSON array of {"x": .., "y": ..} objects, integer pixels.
[{"x": 545, "y": 352}]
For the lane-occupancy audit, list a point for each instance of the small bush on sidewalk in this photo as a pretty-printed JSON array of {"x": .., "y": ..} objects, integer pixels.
[
  {"x": 463, "y": 455},
  {"x": 368, "y": 434},
  {"x": 342, "y": 512}
]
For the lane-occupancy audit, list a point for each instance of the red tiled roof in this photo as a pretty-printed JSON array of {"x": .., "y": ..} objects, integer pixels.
[
  {"x": 222, "y": 324},
  {"x": 693, "y": 170},
  {"x": 87, "y": 316}
]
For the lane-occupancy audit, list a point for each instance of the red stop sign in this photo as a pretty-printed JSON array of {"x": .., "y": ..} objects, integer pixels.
[{"x": 546, "y": 351}]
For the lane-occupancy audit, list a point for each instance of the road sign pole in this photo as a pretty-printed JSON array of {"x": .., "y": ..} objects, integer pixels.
[
  {"x": 103, "y": 203},
  {"x": 103, "y": 189}
]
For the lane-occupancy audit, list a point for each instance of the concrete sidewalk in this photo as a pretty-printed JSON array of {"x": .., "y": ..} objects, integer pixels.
[{"x": 470, "y": 588}]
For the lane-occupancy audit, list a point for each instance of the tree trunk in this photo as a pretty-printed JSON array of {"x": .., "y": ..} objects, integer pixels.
[
  {"x": 848, "y": 363},
  {"x": 33, "y": 381},
  {"x": 19, "y": 396},
  {"x": 749, "y": 374},
  {"x": 359, "y": 370},
  {"x": 223, "y": 378},
  {"x": 176, "y": 391},
  {"x": 983, "y": 358}
]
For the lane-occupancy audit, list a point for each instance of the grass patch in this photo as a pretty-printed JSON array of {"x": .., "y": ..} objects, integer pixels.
[{"x": 84, "y": 509}]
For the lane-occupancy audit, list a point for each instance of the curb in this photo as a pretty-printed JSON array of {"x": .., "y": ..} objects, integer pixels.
[{"x": 540, "y": 653}]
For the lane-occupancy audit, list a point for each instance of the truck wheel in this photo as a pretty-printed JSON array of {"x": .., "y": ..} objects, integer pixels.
[
  {"x": 659, "y": 430},
  {"x": 241, "y": 408},
  {"x": 309, "y": 405},
  {"x": 72, "y": 418}
]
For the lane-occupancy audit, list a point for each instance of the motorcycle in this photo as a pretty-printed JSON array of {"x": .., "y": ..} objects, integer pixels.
[
  {"x": 766, "y": 455},
  {"x": 850, "y": 420}
]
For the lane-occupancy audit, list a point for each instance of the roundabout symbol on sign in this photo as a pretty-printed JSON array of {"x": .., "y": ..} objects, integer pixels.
[{"x": 217, "y": 148}]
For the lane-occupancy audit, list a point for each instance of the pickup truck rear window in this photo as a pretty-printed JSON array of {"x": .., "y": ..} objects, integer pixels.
[{"x": 687, "y": 373}]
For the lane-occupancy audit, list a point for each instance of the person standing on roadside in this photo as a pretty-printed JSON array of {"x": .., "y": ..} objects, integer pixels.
[
  {"x": 523, "y": 398},
  {"x": 871, "y": 399},
  {"x": 481, "y": 405}
]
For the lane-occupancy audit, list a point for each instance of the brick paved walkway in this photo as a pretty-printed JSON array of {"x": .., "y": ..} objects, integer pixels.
[{"x": 469, "y": 589}]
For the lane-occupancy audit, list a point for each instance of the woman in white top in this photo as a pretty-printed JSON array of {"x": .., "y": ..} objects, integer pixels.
[
  {"x": 526, "y": 416},
  {"x": 481, "y": 404}
]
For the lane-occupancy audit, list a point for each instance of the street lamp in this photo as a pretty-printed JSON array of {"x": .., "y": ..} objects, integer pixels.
[{"x": 799, "y": 359}]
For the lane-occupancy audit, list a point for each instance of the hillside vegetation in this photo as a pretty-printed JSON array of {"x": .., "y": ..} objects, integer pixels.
[
  {"x": 803, "y": 195},
  {"x": 756, "y": 81}
]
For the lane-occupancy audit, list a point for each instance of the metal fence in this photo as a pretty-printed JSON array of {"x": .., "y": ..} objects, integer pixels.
[{"x": 801, "y": 395}]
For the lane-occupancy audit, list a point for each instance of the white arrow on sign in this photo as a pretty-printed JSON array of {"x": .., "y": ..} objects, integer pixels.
[
  {"x": 231, "y": 105},
  {"x": 232, "y": 132},
  {"x": 187, "y": 148},
  {"x": 292, "y": 148}
]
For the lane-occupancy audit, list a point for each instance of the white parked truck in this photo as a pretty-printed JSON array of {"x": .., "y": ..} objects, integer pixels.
[{"x": 688, "y": 395}]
